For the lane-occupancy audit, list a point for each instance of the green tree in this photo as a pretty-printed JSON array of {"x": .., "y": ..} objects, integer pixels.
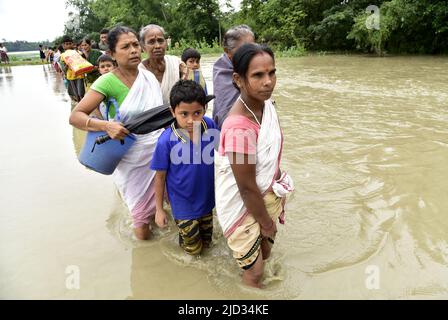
[
  {"x": 85, "y": 21},
  {"x": 197, "y": 20},
  {"x": 412, "y": 26}
]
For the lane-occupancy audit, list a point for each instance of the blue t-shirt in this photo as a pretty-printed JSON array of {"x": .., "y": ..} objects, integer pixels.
[{"x": 190, "y": 170}]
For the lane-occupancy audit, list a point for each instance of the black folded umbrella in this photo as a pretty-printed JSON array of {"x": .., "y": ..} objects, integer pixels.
[
  {"x": 149, "y": 121},
  {"x": 146, "y": 122}
]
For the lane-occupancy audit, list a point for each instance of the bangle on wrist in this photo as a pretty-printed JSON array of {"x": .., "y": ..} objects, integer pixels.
[{"x": 87, "y": 123}]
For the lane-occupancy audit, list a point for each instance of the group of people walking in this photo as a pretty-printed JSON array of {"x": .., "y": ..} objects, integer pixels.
[{"x": 230, "y": 162}]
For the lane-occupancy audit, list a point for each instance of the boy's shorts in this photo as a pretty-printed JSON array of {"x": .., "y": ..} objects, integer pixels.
[
  {"x": 245, "y": 241},
  {"x": 195, "y": 234}
]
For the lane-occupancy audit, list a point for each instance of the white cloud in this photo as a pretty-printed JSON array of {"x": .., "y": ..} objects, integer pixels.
[
  {"x": 37, "y": 20},
  {"x": 32, "y": 20}
]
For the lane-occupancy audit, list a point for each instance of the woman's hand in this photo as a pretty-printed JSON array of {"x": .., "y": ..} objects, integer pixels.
[
  {"x": 161, "y": 219},
  {"x": 183, "y": 70},
  {"x": 116, "y": 131}
]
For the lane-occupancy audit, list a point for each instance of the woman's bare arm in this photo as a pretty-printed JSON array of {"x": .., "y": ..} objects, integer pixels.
[{"x": 80, "y": 117}]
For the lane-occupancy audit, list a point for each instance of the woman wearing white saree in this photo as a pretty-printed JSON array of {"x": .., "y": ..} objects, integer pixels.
[
  {"x": 167, "y": 69},
  {"x": 250, "y": 187},
  {"x": 135, "y": 90}
]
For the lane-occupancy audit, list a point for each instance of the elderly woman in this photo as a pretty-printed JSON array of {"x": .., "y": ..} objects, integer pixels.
[
  {"x": 167, "y": 69},
  {"x": 224, "y": 90},
  {"x": 135, "y": 90}
]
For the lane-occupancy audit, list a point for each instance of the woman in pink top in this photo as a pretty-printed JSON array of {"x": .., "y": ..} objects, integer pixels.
[{"x": 250, "y": 187}]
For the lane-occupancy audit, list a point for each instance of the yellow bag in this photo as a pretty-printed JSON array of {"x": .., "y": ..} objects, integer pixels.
[{"x": 77, "y": 63}]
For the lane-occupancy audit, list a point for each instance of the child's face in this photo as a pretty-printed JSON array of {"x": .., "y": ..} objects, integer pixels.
[
  {"x": 188, "y": 113},
  {"x": 193, "y": 63},
  {"x": 106, "y": 67},
  {"x": 67, "y": 45}
]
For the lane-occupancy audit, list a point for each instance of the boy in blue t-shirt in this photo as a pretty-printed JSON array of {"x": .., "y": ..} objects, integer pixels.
[{"x": 184, "y": 161}]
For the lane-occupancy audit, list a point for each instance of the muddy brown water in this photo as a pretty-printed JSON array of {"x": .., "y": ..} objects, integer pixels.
[{"x": 366, "y": 141}]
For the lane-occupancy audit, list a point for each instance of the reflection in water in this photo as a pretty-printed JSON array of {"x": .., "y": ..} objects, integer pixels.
[
  {"x": 79, "y": 137},
  {"x": 366, "y": 141},
  {"x": 5, "y": 70},
  {"x": 6, "y": 76}
]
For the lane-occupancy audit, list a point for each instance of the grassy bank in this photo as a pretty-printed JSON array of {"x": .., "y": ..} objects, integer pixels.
[
  {"x": 215, "y": 48},
  {"x": 23, "y": 63},
  {"x": 23, "y": 59},
  {"x": 202, "y": 47}
]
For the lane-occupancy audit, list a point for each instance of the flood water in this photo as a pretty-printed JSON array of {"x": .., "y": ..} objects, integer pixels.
[{"x": 366, "y": 141}]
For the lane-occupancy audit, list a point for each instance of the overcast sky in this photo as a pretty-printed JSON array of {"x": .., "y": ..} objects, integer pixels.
[{"x": 35, "y": 20}]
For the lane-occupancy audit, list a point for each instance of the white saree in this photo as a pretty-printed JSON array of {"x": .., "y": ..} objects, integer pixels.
[
  {"x": 230, "y": 207},
  {"x": 133, "y": 176},
  {"x": 170, "y": 76}
]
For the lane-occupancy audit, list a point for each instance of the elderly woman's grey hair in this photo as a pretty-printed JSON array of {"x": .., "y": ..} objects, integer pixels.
[
  {"x": 150, "y": 27},
  {"x": 234, "y": 35}
]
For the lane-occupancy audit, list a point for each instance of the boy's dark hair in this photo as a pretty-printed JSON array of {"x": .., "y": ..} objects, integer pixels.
[
  {"x": 190, "y": 53},
  {"x": 105, "y": 58},
  {"x": 66, "y": 39},
  {"x": 104, "y": 31},
  {"x": 187, "y": 91}
]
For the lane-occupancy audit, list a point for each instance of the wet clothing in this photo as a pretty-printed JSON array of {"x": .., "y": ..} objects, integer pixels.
[
  {"x": 245, "y": 241},
  {"x": 242, "y": 136},
  {"x": 76, "y": 89},
  {"x": 195, "y": 234},
  {"x": 133, "y": 177},
  {"x": 190, "y": 175}
]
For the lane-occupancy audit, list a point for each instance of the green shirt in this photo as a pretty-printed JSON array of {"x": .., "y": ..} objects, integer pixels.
[
  {"x": 111, "y": 87},
  {"x": 93, "y": 59}
]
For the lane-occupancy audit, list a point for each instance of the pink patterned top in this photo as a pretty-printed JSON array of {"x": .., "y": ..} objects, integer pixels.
[{"x": 239, "y": 134}]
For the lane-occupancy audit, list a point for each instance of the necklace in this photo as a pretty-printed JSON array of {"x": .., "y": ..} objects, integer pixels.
[
  {"x": 126, "y": 78},
  {"x": 256, "y": 119}
]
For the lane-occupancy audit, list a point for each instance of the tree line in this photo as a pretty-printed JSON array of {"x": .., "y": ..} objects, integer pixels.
[
  {"x": 25, "y": 45},
  {"x": 394, "y": 26}
]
